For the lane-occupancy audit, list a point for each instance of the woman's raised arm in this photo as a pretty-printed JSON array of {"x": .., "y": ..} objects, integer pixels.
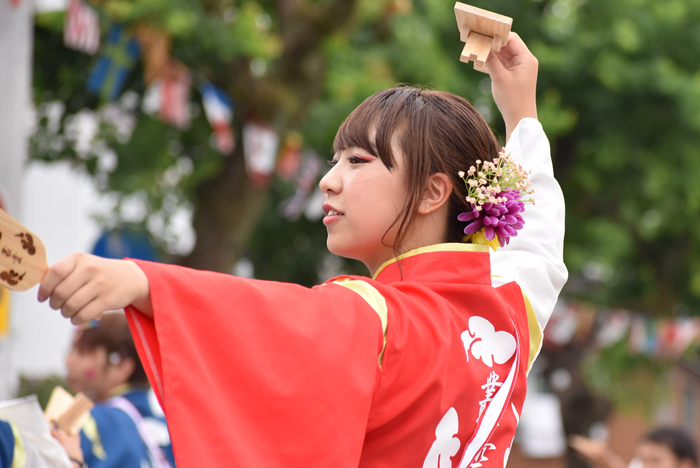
[{"x": 534, "y": 259}]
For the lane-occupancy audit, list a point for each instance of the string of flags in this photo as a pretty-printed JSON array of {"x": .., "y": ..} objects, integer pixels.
[
  {"x": 168, "y": 80},
  {"x": 662, "y": 337},
  {"x": 167, "y": 96}
]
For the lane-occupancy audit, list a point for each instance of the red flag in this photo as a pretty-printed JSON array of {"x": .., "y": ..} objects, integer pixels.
[
  {"x": 15, "y": 3},
  {"x": 82, "y": 28},
  {"x": 175, "y": 95}
]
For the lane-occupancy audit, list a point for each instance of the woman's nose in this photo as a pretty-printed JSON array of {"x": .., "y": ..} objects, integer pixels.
[{"x": 330, "y": 183}]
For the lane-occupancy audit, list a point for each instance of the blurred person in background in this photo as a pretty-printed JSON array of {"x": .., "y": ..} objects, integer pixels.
[
  {"x": 18, "y": 449},
  {"x": 126, "y": 427},
  {"x": 663, "y": 447}
]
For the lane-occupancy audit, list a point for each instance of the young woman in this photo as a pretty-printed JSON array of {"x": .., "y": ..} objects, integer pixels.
[{"x": 424, "y": 363}]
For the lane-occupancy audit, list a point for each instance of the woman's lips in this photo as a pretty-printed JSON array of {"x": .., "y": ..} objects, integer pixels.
[
  {"x": 331, "y": 217},
  {"x": 332, "y": 214}
]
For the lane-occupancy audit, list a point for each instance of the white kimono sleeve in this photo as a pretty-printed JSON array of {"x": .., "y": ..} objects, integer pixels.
[{"x": 535, "y": 257}]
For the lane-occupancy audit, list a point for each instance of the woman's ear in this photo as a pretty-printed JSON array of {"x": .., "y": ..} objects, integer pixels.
[{"x": 437, "y": 191}]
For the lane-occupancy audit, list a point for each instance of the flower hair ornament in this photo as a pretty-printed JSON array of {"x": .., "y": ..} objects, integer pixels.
[{"x": 496, "y": 192}]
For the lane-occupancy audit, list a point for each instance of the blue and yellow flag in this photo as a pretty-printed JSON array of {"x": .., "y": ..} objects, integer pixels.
[{"x": 117, "y": 56}]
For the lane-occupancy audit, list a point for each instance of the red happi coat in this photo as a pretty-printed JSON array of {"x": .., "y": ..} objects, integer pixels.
[{"x": 255, "y": 373}]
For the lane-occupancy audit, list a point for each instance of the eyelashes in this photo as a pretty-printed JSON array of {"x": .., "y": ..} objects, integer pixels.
[
  {"x": 354, "y": 159},
  {"x": 358, "y": 160}
]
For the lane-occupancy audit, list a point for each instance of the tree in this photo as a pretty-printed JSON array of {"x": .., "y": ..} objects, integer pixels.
[{"x": 618, "y": 98}]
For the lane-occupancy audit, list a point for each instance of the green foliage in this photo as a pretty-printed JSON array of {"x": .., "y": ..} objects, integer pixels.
[
  {"x": 628, "y": 166},
  {"x": 636, "y": 384},
  {"x": 41, "y": 388},
  {"x": 619, "y": 98}
]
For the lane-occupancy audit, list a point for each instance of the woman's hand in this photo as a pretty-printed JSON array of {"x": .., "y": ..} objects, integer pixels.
[
  {"x": 513, "y": 73},
  {"x": 85, "y": 286}
]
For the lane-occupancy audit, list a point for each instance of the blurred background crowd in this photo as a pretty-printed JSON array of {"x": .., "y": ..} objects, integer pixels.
[{"x": 195, "y": 132}]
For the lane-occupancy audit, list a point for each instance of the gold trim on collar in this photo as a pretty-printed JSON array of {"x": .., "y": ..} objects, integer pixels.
[{"x": 447, "y": 247}]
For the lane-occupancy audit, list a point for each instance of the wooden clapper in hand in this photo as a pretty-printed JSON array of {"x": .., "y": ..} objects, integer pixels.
[
  {"x": 68, "y": 412},
  {"x": 482, "y": 31},
  {"x": 22, "y": 255}
]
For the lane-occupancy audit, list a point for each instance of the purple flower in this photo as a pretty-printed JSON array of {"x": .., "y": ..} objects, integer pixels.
[{"x": 503, "y": 219}]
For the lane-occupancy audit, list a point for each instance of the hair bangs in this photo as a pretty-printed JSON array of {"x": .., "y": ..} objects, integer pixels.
[
  {"x": 354, "y": 132},
  {"x": 383, "y": 116}
]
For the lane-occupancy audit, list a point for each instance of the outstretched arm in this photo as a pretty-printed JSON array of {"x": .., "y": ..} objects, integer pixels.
[{"x": 533, "y": 259}]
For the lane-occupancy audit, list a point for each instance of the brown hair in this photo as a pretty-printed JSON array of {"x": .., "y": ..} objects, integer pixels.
[
  {"x": 112, "y": 333},
  {"x": 438, "y": 132}
]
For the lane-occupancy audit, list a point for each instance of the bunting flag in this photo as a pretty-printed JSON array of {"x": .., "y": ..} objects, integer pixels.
[
  {"x": 168, "y": 81},
  {"x": 290, "y": 157},
  {"x": 308, "y": 174},
  {"x": 660, "y": 337},
  {"x": 118, "y": 55},
  {"x": 155, "y": 47},
  {"x": 82, "y": 28},
  {"x": 219, "y": 111},
  {"x": 260, "y": 144},
  {"x": 15, "y": 3},
  {"x": 175, "y": 95}
]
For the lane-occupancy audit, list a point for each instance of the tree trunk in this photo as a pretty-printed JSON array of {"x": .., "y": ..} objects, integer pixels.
[{"x": 228, "y": 207}]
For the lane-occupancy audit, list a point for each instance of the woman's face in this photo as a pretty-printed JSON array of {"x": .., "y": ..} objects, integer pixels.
[{"x": 363, "y": 199}]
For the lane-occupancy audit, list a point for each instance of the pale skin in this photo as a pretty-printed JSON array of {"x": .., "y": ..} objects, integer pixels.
[{"x": 83, "y": 286}]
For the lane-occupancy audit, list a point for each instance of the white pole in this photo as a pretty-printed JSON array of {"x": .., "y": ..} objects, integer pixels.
[{"x": 16, "y": 43}]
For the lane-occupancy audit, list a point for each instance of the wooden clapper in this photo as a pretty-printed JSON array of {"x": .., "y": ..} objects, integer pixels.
[
  {"x": 22, "y": 255},
  {"x": 68, "y": 412},
  {"x": 482, "y": 31}
]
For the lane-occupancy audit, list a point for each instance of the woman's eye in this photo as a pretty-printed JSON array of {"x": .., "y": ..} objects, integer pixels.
[
  {"x": 332, "y": 162},
  {"x": 357, "y": 160}
]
